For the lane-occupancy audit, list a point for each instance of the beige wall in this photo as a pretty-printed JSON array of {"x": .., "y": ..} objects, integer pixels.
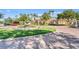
[{"x": 62, "y": 21}]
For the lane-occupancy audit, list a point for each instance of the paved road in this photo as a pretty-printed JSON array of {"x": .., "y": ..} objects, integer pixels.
[
  {"x": 64, "y": 38},
  {"x": 65, "y": 29}
]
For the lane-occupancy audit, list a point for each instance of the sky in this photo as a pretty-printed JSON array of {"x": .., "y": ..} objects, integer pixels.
[{"x": 13, "y": 12}]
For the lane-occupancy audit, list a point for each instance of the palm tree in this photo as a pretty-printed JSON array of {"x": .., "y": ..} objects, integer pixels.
[
  {"x": 51, "y": 12},
  {"x": 77, "y": 15},
  {"x": 67, "y": 14},
  {"x": 45, "y": 17},
  {"x": 8, "y": 21},
  {"x": 1, "y": 15},
  {"x": 76, "y": 19},
  {"x": 23, "y": 18},
  {"x": 34, "y": 16}
]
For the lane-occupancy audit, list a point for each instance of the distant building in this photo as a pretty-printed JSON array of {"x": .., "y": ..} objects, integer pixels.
[
  {"x": 62, "y": 21},
  {"x": 15, "y": 23}
]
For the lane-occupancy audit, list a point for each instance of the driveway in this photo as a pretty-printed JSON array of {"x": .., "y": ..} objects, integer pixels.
[{"x": 65, "y": 29}]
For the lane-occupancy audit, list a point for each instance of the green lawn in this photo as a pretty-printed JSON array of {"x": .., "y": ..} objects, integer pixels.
[{"x": 9, "y": 33}]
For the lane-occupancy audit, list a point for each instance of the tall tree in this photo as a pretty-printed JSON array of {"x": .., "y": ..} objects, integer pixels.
[
  {"x": 67, "y": 14},
  {"x": 70, "y": 15},
  {"x": 60, "y": 16},
  {"x": 51, "y": 12},
  {"x": 34, "y": 16},
  {"x": 1, "y": 15},
  {"x": 8, "y": 21},
  {"x": 77, "y": 16},
  {"x": 45, "y": 17},
  {"x": 23, "y": 18}
]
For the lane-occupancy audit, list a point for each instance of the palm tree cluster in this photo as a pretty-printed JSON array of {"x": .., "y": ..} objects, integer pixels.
[
  {"x": 43, "y": 19},
  {"x": 24, "y": 19},
  {"x": 69, "y": 15}
]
